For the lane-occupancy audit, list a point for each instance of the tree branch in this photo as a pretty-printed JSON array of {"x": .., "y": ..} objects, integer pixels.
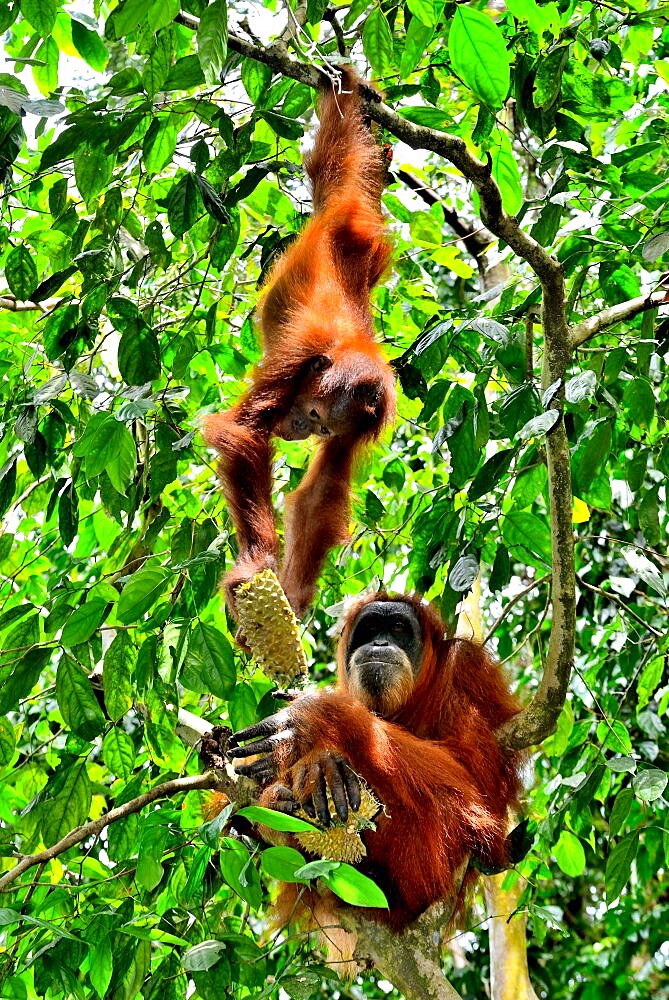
[
  {"x": 410, "y": 960},
  {"x": 475, "y": 240},
  {"x": 538, "y": 720},
  {"x": 615, "y": 314},
  {"x": 16, "y": 305},
  {"x": 210, "y": 779}
]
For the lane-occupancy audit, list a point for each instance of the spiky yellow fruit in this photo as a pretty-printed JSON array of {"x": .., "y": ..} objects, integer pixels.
[
  {"x": 342, "y": 841},
  {"x": 269, "y": 627}
]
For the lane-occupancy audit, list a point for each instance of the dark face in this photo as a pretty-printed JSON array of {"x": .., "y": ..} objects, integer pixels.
[
  {"x": 327, "y": 409},
  {"x": 384, "y": 655}
]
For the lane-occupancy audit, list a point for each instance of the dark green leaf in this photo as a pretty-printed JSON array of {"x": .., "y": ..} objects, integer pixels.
[
  {"x": 41, "y": 14},
  {"x": 117, "y": 675},
  {"x": 212, "y": 40},
  {"x": 140, "y": 593},
  {"x": 84, "y": 621},
  {"x": 209, "y": 664},
  {"x": 619, "y": 865},
  {"x": 21, "y": 272},
  {"x": 7, "y": 486},
  {"x": 76, "y": 700},
  {"x": 139, "y": 357},
  {"x": 92, "y": 170},
  {"x": 159, "y": 144}
]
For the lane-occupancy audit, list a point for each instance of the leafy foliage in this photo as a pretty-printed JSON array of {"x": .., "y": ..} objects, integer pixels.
[{"x": 150, "y": 174}]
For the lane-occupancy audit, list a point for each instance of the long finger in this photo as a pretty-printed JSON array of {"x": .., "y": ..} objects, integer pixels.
[
  {"x": 300, "y": 793},
  {"x": 267, "y": 727},
  {"x": 335, "y": 780},
  {"x": 262, "y": 770},
  {"x": 268, "y": 745},
  {"x": 352, "y": 783},
  {"x": 319, "y": 795}
]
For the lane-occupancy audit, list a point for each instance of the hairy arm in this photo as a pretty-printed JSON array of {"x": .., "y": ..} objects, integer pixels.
[{"x": 317, "y": 516}]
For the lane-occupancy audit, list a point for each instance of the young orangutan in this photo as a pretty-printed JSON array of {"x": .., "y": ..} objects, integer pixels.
[{"x": 322, "y": 372}]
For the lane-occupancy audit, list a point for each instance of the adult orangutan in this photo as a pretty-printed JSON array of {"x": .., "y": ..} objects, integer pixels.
[
  {"x": 322, "y": 372},
  {"x": 416, "y": 715}
]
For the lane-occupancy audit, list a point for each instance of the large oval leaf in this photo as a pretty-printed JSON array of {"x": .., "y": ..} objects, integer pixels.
[{"x": 478, "y": 55}]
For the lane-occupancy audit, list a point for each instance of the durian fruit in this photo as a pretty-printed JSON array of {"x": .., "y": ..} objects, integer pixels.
[
  {"x": 342, "y": 841},
  {"x": 267, "y": 622}
]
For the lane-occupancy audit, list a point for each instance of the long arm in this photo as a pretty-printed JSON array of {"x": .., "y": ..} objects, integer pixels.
[
  {"x": 317, "y": 516},
  {"x": 246, "y": 481}
]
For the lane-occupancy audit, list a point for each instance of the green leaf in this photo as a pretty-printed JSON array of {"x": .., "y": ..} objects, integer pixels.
[
  {"x": 539, "y": 19},
  {"x": 84, "y": 621},
  {"x": 619, "y": 865},
  {"x": 117, "y": 675},
  {"x": 281, "y": 863},
  {"x": 212, "y": 40},
  {"x": 7, "y": 486},
  {"x": 46, "y": 75},
  {"x": 209, "y": 664},
  {"x": 649, "y": 784},
  {"x": 418, "y": 38},
  {"x": 68, "y": 514},
  {"x": 90, "y": 46},
  {"x": 649, "y": 680},
  {"x": 118, "y": 753},
  {"x": 162, "y": 12},
  {"x": 354, "y": 887},
  {"x": 529, "y": 536},
  {"x": 256, "y": 78},
  {"x": 478, "y": 55},
  {"x": 276, "y": 820},
  {"x": 76, "y": 700},
  {"x": 614, "y": 736},
  {"x": 60, "y": 330},
  {"x": 284, "y": 127},
  {"x": 21, "y": 272},
  {"x": 41, "y": 14},
  {"x": 101, "y": 967},
  {"x": 20, "y": 673},
  {"x": 92, "y": 170},
  {"x": 620, "y": 811},
  {"x": 548, "y": 77},
  {"x": 159, "y": 145},
  {"x": 639, "y": 402},
  {"x": 139, "y": 356},
  {"x": 427, "y": 11},
  {"x": 183, "y": 205},
  {"x": 505, "y": 170},
  {"x": 377, "y": 42},
  {"x": 69, "y": 806},
  {"x": 7, "y": 742},
  {"x": 140, "y": 593},
  {"x": 226, "y": 240},
  {"x": 128, "y": 16},
  {"x": 239, "y": 871},
  {"x": 108, "y": 446},
  {"x": 569, "y": 854}
]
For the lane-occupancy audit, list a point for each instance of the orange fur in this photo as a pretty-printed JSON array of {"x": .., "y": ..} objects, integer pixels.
[
  {"x": 436, "y": 763},
  {"x": 315, "y": 305}
]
